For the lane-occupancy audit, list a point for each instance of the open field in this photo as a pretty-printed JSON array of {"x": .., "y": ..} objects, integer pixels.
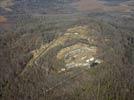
[{"x": 100, "y": 6}]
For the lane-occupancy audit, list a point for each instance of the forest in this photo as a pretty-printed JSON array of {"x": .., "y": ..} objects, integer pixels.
[{"x": 50, "y": 50}]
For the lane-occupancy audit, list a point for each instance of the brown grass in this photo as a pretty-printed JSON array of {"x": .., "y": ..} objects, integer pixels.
[{"x": 95, "y": 5}]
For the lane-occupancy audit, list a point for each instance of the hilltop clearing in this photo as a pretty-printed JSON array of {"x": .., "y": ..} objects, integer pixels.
[{"x": 64, "y": 58}]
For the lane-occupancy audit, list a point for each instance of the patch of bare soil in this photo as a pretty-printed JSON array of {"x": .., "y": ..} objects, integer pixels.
[
  {"x": 4, "y": 24},
  {"x": 2, "y": 19}
]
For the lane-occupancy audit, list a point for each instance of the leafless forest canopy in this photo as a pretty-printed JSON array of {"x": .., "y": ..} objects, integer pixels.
[{"x": 66, "y": 49}]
